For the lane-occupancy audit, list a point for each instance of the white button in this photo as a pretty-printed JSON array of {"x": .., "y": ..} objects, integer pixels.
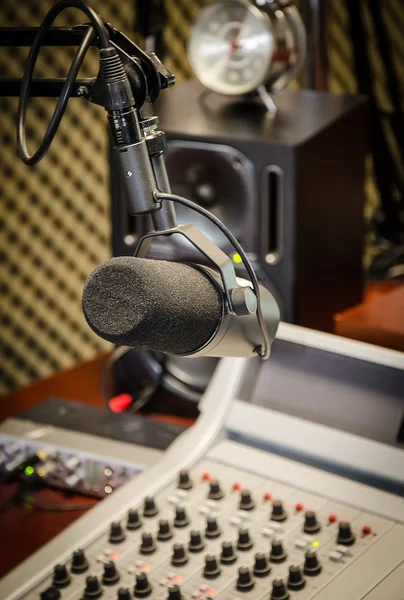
[
  {"x": 300, "y": 544},
  {"x": 268, "y": 532},
  {"x": 344, "y": 550},
  {"x": 335, "y": 556},
  {"x": 162, "y": 582},
  {"x": 173, "y": 499},
  {"x": 100, "y": 558},
  {"x": 235, "y": 521},
  {"x": 182, "y": 494},
  {"x": 307, "y": 539},
  {"x": 170, "y": 575},
  {"x": 138, "y": 563},
  {"x": 204, "y": 510},
  {"x": 211, "y": 503},
  {"x": 276, "y": 527},
  {"x": 195, "y": 594}
]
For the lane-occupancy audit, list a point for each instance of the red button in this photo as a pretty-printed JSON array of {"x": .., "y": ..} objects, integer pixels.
[
  {"x": 332, "y": 518},
  {"x": 236, "y": 486},
  {"x": 206, "y": 476},
  {"x": 299, "y": 507},
  {"x": 366, "y": 529},
  {"x": 267, "y": 496}
]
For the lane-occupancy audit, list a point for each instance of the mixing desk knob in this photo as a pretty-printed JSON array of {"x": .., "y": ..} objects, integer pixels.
[
  {"x": 93, "y": 588},
  {"x": 181, "y": 517},
  {"x": 345, "y": 535},
  {"x": 149, "y": 507},
  {"x": 277, "y": 553},
  {"x": 311, "y": 525},
  {"x": 61, "y": 577},
  {"x": 244, "y": 541},
  {"x": 295, "y": 579},
  {"x": 50, "y": 594},
  {"x": 196, "y": 543},
  {"x": 174, "y": 593},
  {"x": 79, "y": 562},
  {"x": 279, "y": 591},
  {"x": 211, "y": 569},
  {"x": 134, "y": 521},
  {"x": 142, "y": 587},
  {"x": 312, "y": 566},
  {"x": 116, "y": 533},
  {"x": 215, "y": 491},
  {"x": 212, "y": 528},
  {"x": 228, "y": 555},
  {"x": 261, "y": 565},
  {"x": 164, "y": 533},
  {"x": 245, "y": 581},
  {"x": 246, "y": 501},
  {"x": 278, "y": 512},
  {"x": 179, "y": 556},
  {"x": 184, "y": 480},
  {"x": 111, "y": 574},
  {"x": 124, "y": 594},
  {"x": 147, "y": 546}
]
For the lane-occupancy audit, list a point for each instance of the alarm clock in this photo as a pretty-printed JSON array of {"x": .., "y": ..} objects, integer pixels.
[{"x": 239, "y": 46}]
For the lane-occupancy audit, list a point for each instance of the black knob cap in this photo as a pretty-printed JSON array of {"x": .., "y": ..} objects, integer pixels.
[
  {"x": 278, "y": 512},
  {"x": 124, "y": 594},
  {"x": 79, "y": 562},
  {"x": 312, "y": 565},
  {"x": 279, "y": 591},
  {"x": 261, "y": 565},
  {"x": 179, "y": 556},
  {"x": 181, "y": 517},
  {"x": 246, "y": 501},
  {"x": 50, "y": 594},
  {"x": 277, "y": 554},
  {"x": 228, "y": 555},
  {"x": 174, "y": 593},
  {"x": 295, "y": 579},
  {"x": 142, "y": 587},
  {"x": 93, "y": 588},
  {"x": 116, "y": 533},
  {"x": 184, "y": 480},
  {"x": 61, "y": 577},
  {"x": 147, "y": 546},
  {"x": 345, "y": 535},
  {"x": 245, "y": 581},
  {"x": 212, "y": 528},
  {"x": 211, "y": 569},
  {"x": 215, "y": 491},
  {"x": 111, "y": 574},
  {"x": 244, "y": 541},
  {"x": 149, "y": 507},
  {"x": 164, "y": 532},
  {"x": 196, "y": 543},
  {"x": 311, "y": 525},
  {"x": 134, "y": 521}
]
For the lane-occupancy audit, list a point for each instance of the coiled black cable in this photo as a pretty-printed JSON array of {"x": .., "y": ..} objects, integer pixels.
[{"x": 96, "y": 27}]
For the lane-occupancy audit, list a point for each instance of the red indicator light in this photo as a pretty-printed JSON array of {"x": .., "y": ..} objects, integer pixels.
[
  {"x": 299, "y": 507},
  {"x": 332, "y": 518},
  {"x": 267, "y": 496}
]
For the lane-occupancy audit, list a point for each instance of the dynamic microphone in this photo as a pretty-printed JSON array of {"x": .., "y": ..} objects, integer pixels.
[{"x": 170, "y": 307}]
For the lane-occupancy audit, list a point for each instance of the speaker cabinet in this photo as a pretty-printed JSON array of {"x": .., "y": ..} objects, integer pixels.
[{"x": 290, "y": 188}]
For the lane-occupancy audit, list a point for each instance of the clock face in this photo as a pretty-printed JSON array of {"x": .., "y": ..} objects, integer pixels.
[{"x": 231, "y": 46}]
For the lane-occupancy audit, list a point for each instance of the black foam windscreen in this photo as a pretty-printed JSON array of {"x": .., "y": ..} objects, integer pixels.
[{"x": 153, "y": 304}]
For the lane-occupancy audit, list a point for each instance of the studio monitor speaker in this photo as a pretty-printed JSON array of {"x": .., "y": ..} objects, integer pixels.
[{"x": 290, "y": 188}]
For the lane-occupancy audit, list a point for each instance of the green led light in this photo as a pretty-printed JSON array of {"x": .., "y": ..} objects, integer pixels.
[
  {"x": 237, "y": 258},
  {"x": 315, "y": 543},
  {"x": 29, "y": 470}
]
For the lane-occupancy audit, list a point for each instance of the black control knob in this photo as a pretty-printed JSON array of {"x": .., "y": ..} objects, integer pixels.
[
  {"x": 345, "y": 535},
  {"x": 244, "y": 541},
  {"x": 116, "y": 533},
  {"x": 212, "y": 528},
  {"x": 278, "y": 512},
  {"x": 215, "y": 491},
  {"x": 149, "y": 507},
  {"x": 164, "y": 532},
  {"x": 79, "y": 562},
  {"x": 134, "y": 521},
  {"x": 148, "y": 545},
  {"x": 196, "y": 543},
  {"x": 142, "y": 587},
  {"x": 181, "y": 517},
  {"x": 246, "y": 501},
  {"x": 93, "y": 588},
  {"x": 184, "y": 480},
  {"x": 279, "y": 591},
  {"x": 124, "y": 594},
  {"x": 228, "y": 555},
  {"x": 111, "y": 574},
  {"x": 296, "y": 580},
  {"x": 211, "y": 569},
  {"x": 245, "y": 581},
  {"x": 179, "y": 556},
  {"x": 50, "y": 594},
  {"x": 174, "y": 593},
  {"x": 311, "y": 525},
  {"x": 261, "y": 565},
  {"x": 312, "y": 565},
  {"x": 277, "y": 554},
  {"x": 61, "y": 577}
]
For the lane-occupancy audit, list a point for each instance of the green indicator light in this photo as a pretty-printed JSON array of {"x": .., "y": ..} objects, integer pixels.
[
  {"x": 29, "y": 470},
  {"x": 237, "y": 258},
  {"x": 315, "y": 543}
]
